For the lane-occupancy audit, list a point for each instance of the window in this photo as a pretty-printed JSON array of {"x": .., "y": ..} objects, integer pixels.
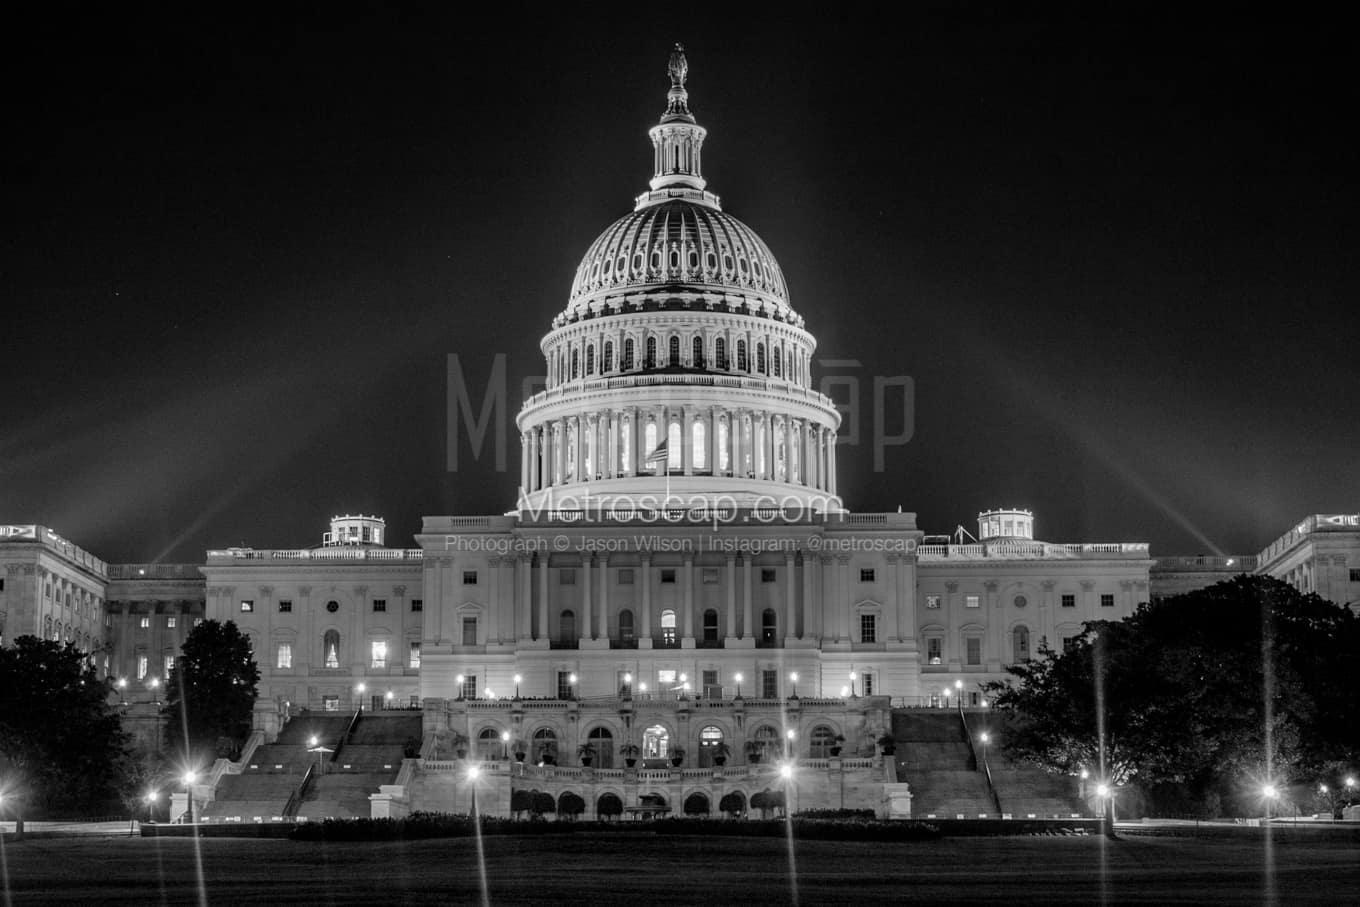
[
  {"x": 933, "y": 602},
  {"x": 247, "y": 606},
  {"x": 710, "y": 576},
  {"x": 868, "y": 680},
  {"x": 1069, "y": 643},
  {"x": 866, "y": 574},
  {"x": 590, "y": 359},
  {"x": 283, "y": 657},
  {"x": 712, "y": 689},
  {"x": 970, "y": 601},
  {"x": 197, "y": 621},
  {"x": 417, "y": 604},
  {"x": 1069, "y": 600},
  {"x": 627, "y": 363},
  {"x": 868, "y": 626},
  {"x": 1355, "y": 576},
  {"x": 769, "y": 626},
  {"x": 566, "y": 627},
  {"x": 413, "y": 659},
  {"x": 171, "y": 623},
  {"x": 469, "y": 577},
  {"x": 934, "y": 647},
  {"x": 821, "y": 741},
  {"x": 720, "y": 352},
  {"x": 741, "y": 356},
  {"x": 545, "y": 745},
  {"x": 564, "y": 685},
  {"x": 1020, "y": 644},
  {"x": 668, "y": 639},
  {"x": 697, "y": 353},
  {"x": 379, "y": 604},
  {"x": 760, "y": 358},
  {"x": 469, "y": 686},
  {"x": 710, "y": 625},
  {"x": 649, "y": 357},
  {"x": 769, "y": 684},
  {"x": 566, "y": 576},
  {"x": 668, "y": 575},
  {"x": 469, "y": 631},
  {"x": 330, "y": 649},
  {"x": 285, "y": 607},
  {"x": 625, "y": 576},
  {"x": 169, "y": 664},
  {"x": 1106, "y": 600},
  {"x": 141, "y": 667},
  {"x": 379, "y": 659},
  {"x": 674, "y": 349},
  {"x": 146, "y": 623},
  {"x": 626, "y": 625},
  {"x": 974, "y": 649},
  {"x": 332, "y": 606},
  {"x": 767, "y": 574}
]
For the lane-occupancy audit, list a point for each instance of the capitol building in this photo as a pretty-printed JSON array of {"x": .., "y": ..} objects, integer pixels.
[{"x": 676, "y": 604}]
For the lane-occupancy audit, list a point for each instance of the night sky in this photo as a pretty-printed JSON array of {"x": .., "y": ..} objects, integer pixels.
[{"x": 1117, "y": 258}]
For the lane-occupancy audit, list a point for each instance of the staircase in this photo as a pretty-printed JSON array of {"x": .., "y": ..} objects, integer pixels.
[
  {"x": 1025, "y": 790},
  {"x": 934, "y": 757}
]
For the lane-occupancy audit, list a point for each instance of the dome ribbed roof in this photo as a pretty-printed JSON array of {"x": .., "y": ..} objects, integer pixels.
[{"x": 678, "y": 243}]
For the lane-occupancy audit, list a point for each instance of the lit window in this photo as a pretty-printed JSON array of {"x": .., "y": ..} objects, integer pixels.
[
  {"x": 469, "y": 577},
  {"x": 971, "y": 601},
  {"x": 668, "y": 629},
  {"x": 868, "y": 683},
  {"x": 197, "y": 621},
  {"x": 932, "y": 602},
  {"x": 934, "y": 647},
  {"x": 414, "y": 660},
  {"x": 1107, "y": 600},
  {"x": 169, "y": 664},
  {"x": 867, "y": 627},
  {"x": 379, "y": 604},
  {"x": 284, "y": 659},
  {"x": 146, "y": 623},
  {"x": 564, "y": 685},
  {"x": 171, "y": 622},
  {"x": 141, "y": 667},
  {"x": 285, "y": 607},
  {"x": 379, "y": 659},
  {"x": 247, "y": 606},
  {"x": 330, "y": 649},
  {"x": 666, "y": 676},
  {"x": 866, "y": 574},
  {"x": 1069, "y": 600},
  {"x": 470, "y": 686},
  {"x": 769, "y": 684}
]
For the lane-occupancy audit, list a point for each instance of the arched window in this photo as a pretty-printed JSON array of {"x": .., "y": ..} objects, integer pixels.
[
  {"x": 628, "y": 355},
  {"x": 604, "y": 747},
  {"x": 626, "y": 634},
  {"x": 490, "y": 746},
  {"x": 649, "y": 441},
  {"x": 778, "y": 361},
  {"x": 709, "y": 739},
  {"x": 710, "y": 625},
  {"x": 720, "y": 352},
  {"x": 590, "y": 359},
  {"x": 769, "y": 626},
  {"x": 575, "y": 364},
  {"x": 626, "y": 445},
  {"x": 741, "y": 356},
  {"x": 330, "y": 649},
  {"x": 766, "y": 742},
  {"x": 820, "y": 742},
  {"x": 649, "y": 360},
  {"x": 567, "y": 627},
  {"x": 697, "y": 353},
  {"x": 608, "y": 357},
  {"x": 668, "y": 639},
  {"x": 674, "y": 349},
  {"x": 699, "y": 444},
  {"x": 760, "y": 359},
  {"x": 656, "y": 742},
  {"x": 673, "y": 446},
  {"x": 545, "y": 745},
  {"x": 1020, "y": 643}
]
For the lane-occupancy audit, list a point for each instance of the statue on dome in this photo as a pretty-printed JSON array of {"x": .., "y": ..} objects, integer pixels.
[{"x": 677, "y": 67}]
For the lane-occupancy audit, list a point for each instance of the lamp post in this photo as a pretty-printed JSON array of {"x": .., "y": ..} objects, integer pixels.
[
  {"x": 360, "y": 690},
  {"x": 1269, "y": 793},
  {"x": 628, "y": 685},
  {"x": 793, "y": 679},
  {"x": 122, "y": 691},
  {"x": 505, "y": 744},
  {"x": 189, "y": 778},
  {"x": 852, "y": 684},
  {"x": 571, "y": 686},
  {"x": 789, "y": 736},
  {"x": 315, "y": 746},
  {"x": 150, "y": 800},
  {"x": 472, "y": 773},
  {"x": 388, "y": 698},
  {"x": 1106, "y": 794},
  {"x": 958, "y": 691},
  {"x": 460, "y": 680},
  {"x": 517, "y": 680},
  {"x": 985, "y": 738},
  {"x": 790, "y": 787},
  {"x": 737, "y": 678}
]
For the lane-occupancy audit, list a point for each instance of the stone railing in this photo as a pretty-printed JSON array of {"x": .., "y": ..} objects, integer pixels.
[
  {"x": 155, "y": 571},
  {"x": 1237, "y": 564},
  {"x": 317, "y": 554},
  {"x": 1011, "y": 550}
]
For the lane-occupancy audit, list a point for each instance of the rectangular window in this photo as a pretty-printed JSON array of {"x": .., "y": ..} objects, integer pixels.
[
  {"x": 1069, "y": 600},
  {"x": 625, "y": 576},
  {"x": 171, "y": 622},
  {"x": 710, "y": 576},
  {"x": 414, "y": 660},
  {"x": 417, "y": 604},
  {"x": 566, "y": 576},
  {"x": 866, "y": 574},
  {"x": 933, "y": 602},
  {"x": 868, "y": 625},
  {"x": 563, "y": 684},
  {"x": 868, "y": 684},
  {"x": 146, "y": 623},
  {"x": 665, "y": 677},
  {"x": 712, "y": 690},
  {"x": 141, "y": 667},
  {"x": 1106, "y": 600},
  {"x": 971, "y": 601},
  {"x": 1069, "y": 643},
  {"x": 767, "y": 574},
  {"x": 285, "y": 607},
  {"x": 2, "y": 584},
  {"x": 247, "y": 606},
  {"x": 974, "y": 649},
  {"x": 379, "y": 654},
  {"x": 197, "y": 621},
  {"x": 379, "y": 604},
  {"x": 469, "y": 577},
  {"x": 769, "y": 684},
  {"x": 1355, "y": 576},
  {"x": 284, "y": 658},
  {"x": 469, "y": 631},
  {"x": 934, "y": 647},
  {"x": 668, "y": 576},
  {"x": 469, "y": 686},
  {"x": 330, "y": 703},
  {"x": 169, "y": 664}
]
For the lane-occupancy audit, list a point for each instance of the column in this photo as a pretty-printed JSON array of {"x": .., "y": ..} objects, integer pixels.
[
  {"x": 585, "y": 629},
  {"x": 687, "y": 576},
  {"x": 831, "y": 462},
  {"x": 731, "y": 597},
  {"x": 543, "y": 597},
  {"x": 843, "y": 597},
  {"x": 686, "y": 443},
  {"x": 790, "y": 590},
  {"x": 809, "y": 612},
  {"x": 604, "y": 598},
  {"x": 581, "y": 429},
  {"x": 523, "y": 602},
  {"x": 533, "y": 459},
  {"x": 734, "y": 426},
  {"x": 788, "y": 449},
  {"x": 746, "y": 598},
  {"x": 560, "y": 449},
  {"x": 524, "y": 461},
  {"x": 645, "y": 578}
]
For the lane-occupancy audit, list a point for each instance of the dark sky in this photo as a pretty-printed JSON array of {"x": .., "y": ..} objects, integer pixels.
[{"x": 1116, "y": 257}]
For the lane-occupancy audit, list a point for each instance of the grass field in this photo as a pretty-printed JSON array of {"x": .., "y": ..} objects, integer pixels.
[{"x": 652, "y": 870}]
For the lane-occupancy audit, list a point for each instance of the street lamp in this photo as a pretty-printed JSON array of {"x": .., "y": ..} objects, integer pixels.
[
  {"x": 505, "y": 744},
  {"x": 985, "y": 738},
  {"x": 460, "y": 680},
  {"x": 472, "y": 773},
  {"x": 737, "y": 678},
  {"x": 151, "y": 798},
  {"x": 517, "y": 680},
  {"x": 628, "y": 685},
  {"x": 360, "y": 689},
  {"x": 315, "y": 747},
  {"x": 389, "y": 697},
  {"x": 571, "y": 686},
  {"x": 958, "y": 689},
  {"x": 1106, "y": 794},
  {"x": 189, "y": 778},
  {"x": 1269, "y": 792},
  {"x": 786, "y": 772},
  {"x": 153, "y": 685},
  {"x": 789, "y": 735},
  {"x": 852, "y": 684},
  {"x": 122, "y": 691},
  {"x": 793, "y": 679}
]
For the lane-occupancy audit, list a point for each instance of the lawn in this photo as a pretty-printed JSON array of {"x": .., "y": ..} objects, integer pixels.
[{"x": 644, "y": 869}]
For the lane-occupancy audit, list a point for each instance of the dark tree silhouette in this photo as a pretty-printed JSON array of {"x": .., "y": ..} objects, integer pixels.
[{"x": 210, "y": 693}]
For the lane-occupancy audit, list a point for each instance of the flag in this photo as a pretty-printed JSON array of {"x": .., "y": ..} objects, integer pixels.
[{"x": 659, "y": 456}]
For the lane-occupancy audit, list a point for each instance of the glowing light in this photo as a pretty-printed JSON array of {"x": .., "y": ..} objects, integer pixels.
[
  {"x": 1350, "y": 781},
  {"x": 985, "y": 737},
  {"x": 361, "y": 688},
  {"x": 390, "y": 695},
  {"x": 1085, "y": 774},
  {"x": 571, "y": 679},
  {"x": 1269, "y": 791},
  {"x": 1102, "y": 790},
  {"x": 312, "y": 741},
  {"x": 790, "y": 733},
  {"x": 643, "y": 686},
  {"x": 460, "y": 679},
  {"x": 152, "y": 796},
  {"x": 786, "y": 771},
  {"x": 473, "y": 772},
  {"x": 958, "y": 684},
  {"x": 505, "y": 736},
  {"x": 489, "y": 693},
  {"x": 190, "y": 777},
  {"x": 628, "y": 678},
  {"x": 518, "y": 678},
  {"x": 794, "y": 676},
  {"x": 1322, "y": 788},
  {"x": 845, "y": 691}
]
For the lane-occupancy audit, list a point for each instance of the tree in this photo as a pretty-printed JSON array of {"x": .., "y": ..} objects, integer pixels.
[
  {"x": 696, "y": 804},
  {"x": 59, "y": 731},
  {"x": 570, "y": 805},
  {"x": 1212, "y": 692},
  {"x": 732, "y": 804},
  {"x": 211, "y": 691}
]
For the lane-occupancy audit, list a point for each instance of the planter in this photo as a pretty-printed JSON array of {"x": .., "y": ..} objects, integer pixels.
[
  {"x": 630, "y": 762},
  {"x": 835, "y": 751},
  {"x": 677, "y": 760},
  {"x": 519, "y": 757},
  {"x": 586, "y": 761},
  {"x": 719, "y": 760},
  {"x": 753, "y": 758}
]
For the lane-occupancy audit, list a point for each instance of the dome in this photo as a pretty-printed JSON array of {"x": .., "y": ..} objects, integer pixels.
[{"x": 684, "y": 244}]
